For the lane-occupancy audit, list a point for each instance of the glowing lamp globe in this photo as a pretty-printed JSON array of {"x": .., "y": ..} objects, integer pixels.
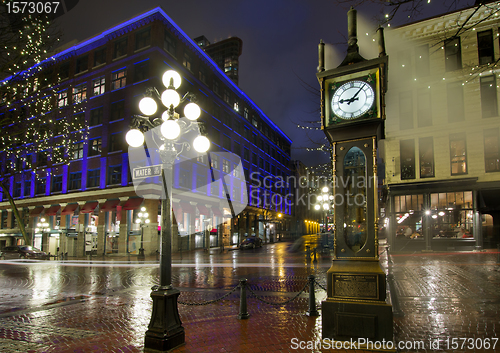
[
  {"x": 170, "y": 98},
  {"x": 192, "y": 111},
  {"x": 148, "y": 106},
  {"x": 317, "y": 207},
  {"x": 137, "y": 221},
  {"x": 201, "y": 144},
  {"x": 325, "y": 189},
  {"x": 135, "y": 138},
  {"x": 170, "y": 129},
  {"x": 147, "y": 220},
  {"x": 319, "y": 198},
  {"x": 326, "y": 206},
  {"x": 171, "y": 77}
]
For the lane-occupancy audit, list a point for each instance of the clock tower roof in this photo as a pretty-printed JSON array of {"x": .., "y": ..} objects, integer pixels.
[{"x": 353, "y": 55}]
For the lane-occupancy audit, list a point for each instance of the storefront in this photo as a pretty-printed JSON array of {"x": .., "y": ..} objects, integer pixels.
[{"x": 434, "y": 217}]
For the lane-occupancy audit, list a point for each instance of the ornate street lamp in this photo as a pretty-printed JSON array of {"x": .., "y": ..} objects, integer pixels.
[
  {"x": 142, "y": 219},
  {"x": 165, "y": 330},
  {"x": 324, "y": 202}
]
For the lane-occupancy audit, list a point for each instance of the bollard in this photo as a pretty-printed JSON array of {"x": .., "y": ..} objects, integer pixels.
[
  {"x": 65, "y": 256},
  {"x": 312, "y": 298},
  {"x": 314, "y": 254},
  {"x": 243, "y": 300}
]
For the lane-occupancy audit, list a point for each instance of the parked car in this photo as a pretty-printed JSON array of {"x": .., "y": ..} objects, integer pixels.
[
  {"x": 23, "y": 252},
  {"x": 251, "y": 243}
]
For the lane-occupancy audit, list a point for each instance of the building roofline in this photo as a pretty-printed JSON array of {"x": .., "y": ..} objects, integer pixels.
[{"x": 195, "y": 47}]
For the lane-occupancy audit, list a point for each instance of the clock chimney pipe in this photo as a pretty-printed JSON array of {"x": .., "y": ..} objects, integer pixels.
[
  {"x": 352, "y": 40},
  {"x": 381, "y": 42},
  {"x": 321, "y": 54}
]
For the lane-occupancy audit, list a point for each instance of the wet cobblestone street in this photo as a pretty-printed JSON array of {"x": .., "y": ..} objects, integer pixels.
[{"x": 104, "y": 306}]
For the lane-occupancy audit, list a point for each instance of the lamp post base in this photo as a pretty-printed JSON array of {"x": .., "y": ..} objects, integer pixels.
[
  {"x": 141, "y": 255},
  {"x": 165, "y": 331}
]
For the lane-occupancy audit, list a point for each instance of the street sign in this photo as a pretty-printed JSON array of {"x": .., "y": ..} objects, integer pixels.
[{"x": 146, "y": 172}]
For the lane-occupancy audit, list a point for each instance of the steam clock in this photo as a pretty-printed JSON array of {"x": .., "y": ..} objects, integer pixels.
[{"x": 352, "y": 116}]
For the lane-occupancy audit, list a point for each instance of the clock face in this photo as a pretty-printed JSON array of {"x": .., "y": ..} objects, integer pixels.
[{"x": 352, "y": 99}]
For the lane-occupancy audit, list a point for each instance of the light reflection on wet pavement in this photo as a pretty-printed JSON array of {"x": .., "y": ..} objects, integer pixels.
[{"x": 104, "y": 306}]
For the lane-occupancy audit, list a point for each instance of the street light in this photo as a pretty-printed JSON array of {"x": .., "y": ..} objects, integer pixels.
[
  {"x": 142, "y": 219},
  {"x": 325, "y": 202},
  {"x": 165, "y": 331}
]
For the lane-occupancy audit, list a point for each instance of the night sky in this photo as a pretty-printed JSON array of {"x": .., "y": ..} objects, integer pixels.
[{"x": 280, "y": 39}]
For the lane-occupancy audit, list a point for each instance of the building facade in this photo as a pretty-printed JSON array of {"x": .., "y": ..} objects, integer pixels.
[
  {"x": 442, "y": 145},
  {"x": 89, "y": 203}
]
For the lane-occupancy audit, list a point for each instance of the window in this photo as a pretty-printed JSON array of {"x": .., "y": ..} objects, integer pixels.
[
  {"x": 216, "y": 87},
  {"x": 214, "y": 161},
  {"x": 246, "y": 132},
  {"x": 80, "y": 93},
  {"x": 426, "y": 154},
  {"x": 75, "y": 181},
  {"x": 184, "y": 178},
  {"x": 485, "y": 47},
  {"x": 120, "y": 48},
  {"x": 404, "y": 67},
  {"x": 237, "y": 126},
  {"x": 202, "y": 74},
  {"x": 114, "y": 174},
  {"x": 95, "y": 147},
  {"x": 17, "y": 189},
  {"x": 489, "y": 96},
  {"x": 236, "y": 106},
  {"x": 201, "y": 158},
  {"x": 57, "y": 183},
  {"x": 225, "y": 166},
  {"x": 57, "y": 155},
  {"x": 27, "y": 188},
  {"x": 227, "y": 96},
  {"x": 405, "y": 110},
  {"x": 491, "y": 151},
  {"x": 226, "y": 119},
  {"x": 79, "y": 120},
  {"x": 169, "y": 43},
  {"x": 458, "y": 154},
  {"x": 41, "y": 158},
  {"x": 187, "y": 60},
  {"x": 237, "y": 148},
  {"x": 245, "y": 113},
  {"x": 254, "y": 158},
  {"x": 115, "y": 142},
  {"x": 143, "y": 38},
  {"x": 96, "y": 116},
  {"x": 452, "y": 54},
  {"x": 62, "y": 98},
  {"x": 100, "y": 57},
  {"x": 455, "y": 94},
  {"x": 82, "y": 64},
  {"x": 407, "y": 153},
  {"x": 246, "y": 154},
  {"x": 226, "y": 143},
  {"x": 255, "y": 122},
  {"x": 99, "y": 85},
  {"x": 117, "y": 111},
  {"x": 93, "y": 178},
  {"x": 215, "y": 136},
  {"x": 118, "y": 79},
  {"x": 64, "y": 71},
  {"x": 77, "y": 150},
  {"x": 261, "y": 163},
  {"x": 40, "y": 186},
  {"x": 422, "y": 66},
  {"x": 141, "y": 71},
  {"x": 424, "y": 114}
]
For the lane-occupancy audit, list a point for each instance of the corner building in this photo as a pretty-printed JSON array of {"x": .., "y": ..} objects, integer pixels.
[
  {"x": 442, "y": 146},
  {"x": 90, "y": 204}
]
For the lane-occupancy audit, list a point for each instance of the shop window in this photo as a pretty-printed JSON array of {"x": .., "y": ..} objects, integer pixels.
[
  {"x": 405, "y": 110},
  {"x": 491, "y": 151},
  {"x": 489, "y": 103},
  {"x": 458, "y": 155},
  {"x": 100, "y": 57},
  {"x": 451, "y": 215},
  {"x": 452, "y": 54},
  {"x": 455, "y": 102},
  {"x": 407, "y": 154},
  {"x": 485, "y": 47},
  {"x": 426, "y": 154},
  {"x": 422, "y": 66}
]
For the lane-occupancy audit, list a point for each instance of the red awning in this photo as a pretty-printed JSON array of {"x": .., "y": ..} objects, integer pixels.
[
  {"x": 216, "y": 211},
  {"x": 133, "y": 203},
  {"x": 186, "y": 207},
  {"x": 69, "y": 209},
  {"x": 89, "y": 207},
  {"x": 36, "y": 211},
  {"x": 110, "y": 205},
  {"x": 203, "y": 210},
  {"x": 52, "y": 211}
]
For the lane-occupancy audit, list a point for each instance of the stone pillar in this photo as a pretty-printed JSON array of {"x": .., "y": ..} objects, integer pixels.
[
  {"x": 80, "y": 242},
  {"x": 247, "y": 224}
]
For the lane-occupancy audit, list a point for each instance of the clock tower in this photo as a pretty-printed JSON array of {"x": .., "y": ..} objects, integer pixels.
[{"x": 352, "y": 117}]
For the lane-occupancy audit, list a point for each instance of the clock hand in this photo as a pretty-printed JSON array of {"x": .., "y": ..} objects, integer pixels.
[{"x": 354, "y": 98}]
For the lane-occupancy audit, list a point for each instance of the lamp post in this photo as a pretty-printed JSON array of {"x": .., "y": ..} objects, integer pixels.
[
  {"x": 325, "y": 202},
  {"x": 165, "y": 330},
  {"x": 43, "y": 227},
  {"x": 142, "y": 219}
]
